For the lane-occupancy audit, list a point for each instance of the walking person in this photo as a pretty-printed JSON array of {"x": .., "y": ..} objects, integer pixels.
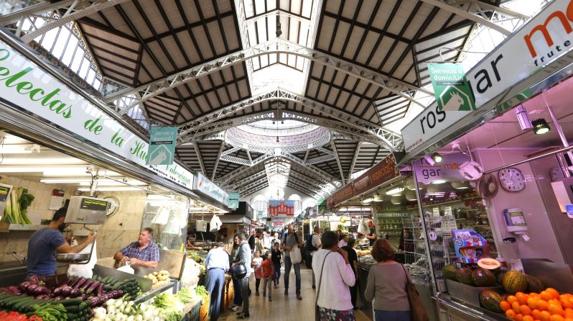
[
  {"x": 216, "y": 263},
  {"x": 291, "y": 243},
  {"x": 334, "y": 276},
  {"x": 256, "y": 265},
  {"x": 244, "y": 257},
  {"x": 316, "y": 245},
  {"x": 387, "y": 285},
  {"x": 276, "y": 256},
  {"x": 353, "y": 260},
  {"x": 267, "y": 275},
  {"x": 238, "y": 299}
]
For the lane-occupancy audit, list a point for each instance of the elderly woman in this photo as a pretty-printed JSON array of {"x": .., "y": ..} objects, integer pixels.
[
  {"x": 387, "y": 285},
  {"x": 334, "y": 276}
]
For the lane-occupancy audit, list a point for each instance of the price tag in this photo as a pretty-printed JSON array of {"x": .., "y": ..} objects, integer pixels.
[{"x": 436, "y": 212}]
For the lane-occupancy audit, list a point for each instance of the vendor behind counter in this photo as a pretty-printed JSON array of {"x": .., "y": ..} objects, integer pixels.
[{"x": 44, "y": 244}]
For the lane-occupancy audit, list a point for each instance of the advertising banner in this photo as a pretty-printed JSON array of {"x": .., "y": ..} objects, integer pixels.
[
  {"x": 162, "y": 143},
  {"x": 205, "y": 186},
  {"x": 543, "y": 40},
  {"x": 281, "y": 208},
  {"x": 234, "y": 198},
  {"x": 25, "y": 85}
]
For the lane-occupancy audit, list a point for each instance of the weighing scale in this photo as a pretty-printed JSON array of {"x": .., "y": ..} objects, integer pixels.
[{"x": 85, "y": 211}]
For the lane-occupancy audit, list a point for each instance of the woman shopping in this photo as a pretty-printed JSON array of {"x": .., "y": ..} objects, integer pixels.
[
  {"x": 334, "y": 277},
  {"x": 386, "y": 285}
]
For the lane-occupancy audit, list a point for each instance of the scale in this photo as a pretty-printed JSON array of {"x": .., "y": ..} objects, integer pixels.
[
  {"x": 4, "y": 194},
  {"x": 85, "y": 211}
]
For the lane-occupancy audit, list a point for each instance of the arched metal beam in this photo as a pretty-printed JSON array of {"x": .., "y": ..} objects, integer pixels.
[
  {"x": 278, "y": 46},
  {"x": 393, "y": 141},
  {"x": 73, "y": 10}
]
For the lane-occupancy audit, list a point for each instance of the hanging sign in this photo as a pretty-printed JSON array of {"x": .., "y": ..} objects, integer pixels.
[
  {"x": 25, "y": 85},
  {"x": 205, "y": 186},
  {"x": 448, "y": 170},
  {"x": 162, "y": 142},
  {"x": 281, "y": 208},
  {"x": 540, "y": 42},
  {"x": 234, "y": 198}
]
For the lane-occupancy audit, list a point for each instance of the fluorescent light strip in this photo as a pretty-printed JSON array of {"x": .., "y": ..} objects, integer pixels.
[
  {"x": 113, "y": 189},
  {"x": 42, "y": 161}
]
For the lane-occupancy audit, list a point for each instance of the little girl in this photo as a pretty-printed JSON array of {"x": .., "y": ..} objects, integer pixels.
[
  {"x": 276, "y": 258},
  {"x": 257, "y": 261},
  {"x": 267, "y": 274}
]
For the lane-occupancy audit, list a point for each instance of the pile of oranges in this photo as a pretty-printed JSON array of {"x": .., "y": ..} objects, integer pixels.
[{"x": 548, "y": 305}]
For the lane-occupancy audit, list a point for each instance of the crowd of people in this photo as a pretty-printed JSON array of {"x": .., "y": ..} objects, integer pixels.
[{"x": 333, "y": 260}]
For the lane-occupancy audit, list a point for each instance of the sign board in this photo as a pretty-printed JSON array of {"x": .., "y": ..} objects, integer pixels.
[
  {"x": 541, "y": 41},
  {"x": 234, "y": 198},
  {"x": 447, "y": 170},
  {"x": 162, "y": 143},
  {"x": 451, "y": 90},
  {"x": 377, "y": 175},
  {"x": 281, "y": 208},
  {"x": 27, "y": 86},
  {"x": 205, "y": 186}
]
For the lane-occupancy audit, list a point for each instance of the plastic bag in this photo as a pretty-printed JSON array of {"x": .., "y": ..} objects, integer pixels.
[
  {"x": 84, "y": 270},
  {"x": 127, "y": 269}
]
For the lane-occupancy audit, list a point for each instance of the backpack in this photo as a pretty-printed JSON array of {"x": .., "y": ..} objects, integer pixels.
[{"x": 308, "y": 244}]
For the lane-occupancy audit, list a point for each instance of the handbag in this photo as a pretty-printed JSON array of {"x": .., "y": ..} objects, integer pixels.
[
  {"x": 316, "y": 310},
  {"x": 295, "y": 255},
  {"x": 417, "y": 310}
]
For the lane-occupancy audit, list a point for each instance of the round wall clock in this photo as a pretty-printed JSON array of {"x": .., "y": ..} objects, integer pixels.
[
  {"x": 511, "y": 179},
  {"x": 113, "y": 205}
]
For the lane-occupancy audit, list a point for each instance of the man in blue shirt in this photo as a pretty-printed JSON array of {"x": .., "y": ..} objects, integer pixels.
[
  {"x": 216, "y": 263},
  {"x": 45, "y": 243},
  {"x": 142, "y": 253}
]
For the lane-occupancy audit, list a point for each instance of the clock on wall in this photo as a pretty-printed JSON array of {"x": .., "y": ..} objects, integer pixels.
[
  {"x": 511, "y": 179},
  {"x": 113, "y": 205}
]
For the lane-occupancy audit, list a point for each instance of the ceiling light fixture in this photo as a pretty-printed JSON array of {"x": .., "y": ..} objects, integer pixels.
[
  {"x": 540, "y": 126},
  {"x": 113, "y": 189},
  {"x": 437, "y": 157},
  {"x": 523, "y": 118},
  {"x": 438, "y": 181},
  {"x": 395, "y": 191}
]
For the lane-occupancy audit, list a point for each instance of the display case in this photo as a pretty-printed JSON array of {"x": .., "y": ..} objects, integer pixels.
[{"x": 167, "y": 215}]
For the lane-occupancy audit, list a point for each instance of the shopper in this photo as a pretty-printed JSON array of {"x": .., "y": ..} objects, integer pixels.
[
  {"x": 316, "y": 245},
  {"x": 353, "y": 260},
  {"x": 267, "y": 274},
  {"x": 45, "y": 243},
  {"x": 334, "y": 276},
  {"x": 256, "y": 265},
  {"x": 276, "y": 238},
  {"x": 238, "y": 299},
  {"x": 244, "y": 257},
  {"x": 252, "y": 242},
  {"x": 387, "y": 285},
  {"x": 290, "y": 241},
  {"x": 276, "y": 256},
  {"x": 143, "y": 253},
  {"x": 371, "y": 236},
  {"x": 343, "y": 240},
  {"x": 216, "y": 263}
]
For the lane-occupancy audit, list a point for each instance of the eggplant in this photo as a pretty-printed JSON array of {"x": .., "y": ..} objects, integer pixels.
[
  {"x": 31, "y": 289},
  {"x": 93, "y": 301},
  {"x": 24, "y": 285},
  {"x": 93, "y": 286},
  {"x": 100, "y": 290},
  {"x": 81, "y": 282},
  {"x": 74, "y": 293},
  {"x": 43, "y": 297}
]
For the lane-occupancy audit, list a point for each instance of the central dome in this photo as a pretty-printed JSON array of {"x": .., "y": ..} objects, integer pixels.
[{"x": 270, "y": 137}]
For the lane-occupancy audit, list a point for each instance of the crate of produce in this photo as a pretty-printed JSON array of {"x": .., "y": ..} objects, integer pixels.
[{"x": 466, "y": 293}]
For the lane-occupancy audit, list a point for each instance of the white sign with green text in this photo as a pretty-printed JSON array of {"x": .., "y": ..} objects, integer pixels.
[{"x": 25, "y": 84}]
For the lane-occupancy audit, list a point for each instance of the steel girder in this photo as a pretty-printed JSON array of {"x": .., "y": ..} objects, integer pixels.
[
  {"x": 72, "y": 10},
  {"x": 342, "y": 179},
  {"x": 244, "y": 170},
  {"x": 354, "y": 159},
  {"x": 392, "y": 141},
  {"x": 480, "y": 12},
  {"x": 320, "y": 159},
  {"x": 248, "y": 179},
  {"x": 278, "y": 46},
  {"x": 217, "y": 161},
  {"x": 256, "y": 183}
]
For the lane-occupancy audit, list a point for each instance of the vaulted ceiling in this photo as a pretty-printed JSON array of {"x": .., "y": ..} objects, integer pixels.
[{"x": 210, "y": 65}]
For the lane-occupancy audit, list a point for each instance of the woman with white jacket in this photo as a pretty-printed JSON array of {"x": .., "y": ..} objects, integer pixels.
[{"x": 334, "y": 277}]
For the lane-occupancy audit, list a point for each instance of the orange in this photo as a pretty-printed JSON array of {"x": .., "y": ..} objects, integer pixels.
[
  {"x": 555, "y": 309},
  {"x": 554, "y": 294},
  {"x": 557, "y": 317},
  {"x": 511, "y": 299},
  {"x": 504, "y": 305},
  {"x": 519, "y": 317},
  {"x": 516, "y": 306},
  {"x": 532, "y": 302},
  {"x": 521, "y": 297},
  {"x": 569, "y": 313},
  {"x": 536, "y": 314},
  {"x": 546, "y": 295},
  {"x": 525, "y": 310},
  {"x": 527, "y": 318},
  {"x": 510, "y": 314},
  {"x": 545, "y": 316},
  {"x": 542, "y": 305}
]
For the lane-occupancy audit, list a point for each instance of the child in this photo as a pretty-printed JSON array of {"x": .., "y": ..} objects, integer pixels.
[
  {"x": 267, "y": 274},
  {"x": 257, "y": 261},
  {"x": 276, "y": 259}
]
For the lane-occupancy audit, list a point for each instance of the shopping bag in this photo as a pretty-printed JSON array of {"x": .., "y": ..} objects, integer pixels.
[
  {"x": 417, "y": 310},
  {"x": 295, "y": 255}
]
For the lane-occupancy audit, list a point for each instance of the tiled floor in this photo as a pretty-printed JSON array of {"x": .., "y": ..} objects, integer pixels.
[{"x": 285, "y": 308}]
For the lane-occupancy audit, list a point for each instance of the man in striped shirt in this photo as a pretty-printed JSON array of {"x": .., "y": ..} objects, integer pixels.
[{"x": 142, "y": 253}]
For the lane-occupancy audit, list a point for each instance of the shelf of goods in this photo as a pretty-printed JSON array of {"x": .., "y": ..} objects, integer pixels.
[{"x": 108, "y": 295}]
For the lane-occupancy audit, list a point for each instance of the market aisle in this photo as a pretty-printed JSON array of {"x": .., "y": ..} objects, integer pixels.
[{"x": 285, "y": 308}]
